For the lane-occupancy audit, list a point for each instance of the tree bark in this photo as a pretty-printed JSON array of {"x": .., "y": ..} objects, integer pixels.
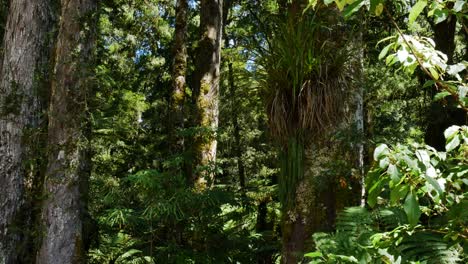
[
  {"x": 23, "y": 90},
  {"x": 207, "y": 90},
  {"x": 442, "y": 115},
  {"x": 179, "y": 75},
  {"x": 64, "y": 210}
]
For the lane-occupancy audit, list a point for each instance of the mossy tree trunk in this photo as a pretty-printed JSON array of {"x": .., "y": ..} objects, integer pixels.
[
  {"x": 179, "y": 76},
  {"x": 23, "y": 91},
  {"x": 206, "y": 88},
  {"x": 65, "y": 208}
]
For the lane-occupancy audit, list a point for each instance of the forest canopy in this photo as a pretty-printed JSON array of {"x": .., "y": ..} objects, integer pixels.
[{"x": 233, "y": 131}]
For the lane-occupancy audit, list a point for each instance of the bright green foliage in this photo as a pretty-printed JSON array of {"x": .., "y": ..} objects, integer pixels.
[{"x": 417, "y": 194}]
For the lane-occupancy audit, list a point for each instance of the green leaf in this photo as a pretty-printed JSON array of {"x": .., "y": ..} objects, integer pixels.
[
  {"x": 384, "y": 51},
  {"x": 327, "y": 2},
  {"x": 452, "y": 144},
  {"x": 433, "y": 182},
  {"x": 394, "y": 173},
  {"x": 411, "y": 207},
  {"x": 458, "y": 6},
  {"x": 441, "y": 95},
  {"x": 353, "y": 8},
  {"x": 316, "y": 254},
  {"x": 440, "y": 15},
  {"x": 374, "y": 192},
  {"x": 340, "y": 4},
  {"x": 381, "y": 150},
  {"x": 374, "y": 4},
  {"x": 429, "y": 83},
  {"x": 451, "y": 131},
  {"x": 397, "y": 193},
  {"x": 462, "y": 91},
  {"x": 379, "y": 9},
  {"x": 434, "y": 73},
  {"x": 416, "y": 10}
]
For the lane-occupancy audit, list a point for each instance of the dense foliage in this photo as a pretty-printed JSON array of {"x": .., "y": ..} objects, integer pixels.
[{"x": 337, "y": 132}]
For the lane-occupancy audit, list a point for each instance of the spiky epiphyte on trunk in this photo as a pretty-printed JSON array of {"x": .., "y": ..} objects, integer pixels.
[{"x": 306, "y": 84}]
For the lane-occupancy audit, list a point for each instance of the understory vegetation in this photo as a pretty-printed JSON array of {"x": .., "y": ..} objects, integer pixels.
[{"x": 236, "y": 131}]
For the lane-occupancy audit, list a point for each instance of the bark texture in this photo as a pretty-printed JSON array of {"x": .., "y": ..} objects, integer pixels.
[
  {"x": 207, "y": 89},
  {"x": 179, "y": 74},
  {"x": 442, "y": 115},
  {"x": 66, "y": 180},
  {"x": 24, "y": 68}
]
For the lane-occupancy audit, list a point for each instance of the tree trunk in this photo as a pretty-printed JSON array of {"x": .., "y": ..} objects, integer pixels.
[
  {"x": 443, "y": 114},
  {"x": 23, "y": 91},
  {"x": 232, "y": 94},
  {"x": 179, "y": 75},
  {"x": 64, "y": 210},
  {"x": 207, "y": 91}
]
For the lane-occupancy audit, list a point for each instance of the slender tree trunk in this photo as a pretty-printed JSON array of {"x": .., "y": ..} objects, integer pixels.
[
  {"x": 207, "y": 90},
  {"x": 179, "y": 75},
  {"x": 232, "y": 94},
  {"x": 237, "y": 129},
  {"x": 64, "y": 210},
  {"x": 23, "y": 91},
  {"x": 359, "y": 114}
]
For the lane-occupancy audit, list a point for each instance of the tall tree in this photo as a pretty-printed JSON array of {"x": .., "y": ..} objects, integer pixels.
[
  {"x": 24, "y": 68},
  {"x": 305, "y": 107},
  {"x": 206, "y": 89},
  {"x": 179, "y": 73},
  {"x": 64, "y": 210}
]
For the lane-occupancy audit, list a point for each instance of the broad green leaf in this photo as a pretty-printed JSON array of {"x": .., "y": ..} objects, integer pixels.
[
  {"x": 458, "y": 6},
  {"x": 327, "y": 2},
  {"x": 451, "y": 131},
  {"x": 430, "y": 179},
  {"x": 402, "y": 55},
  {"x": 411, "y": 208},
  {"x": 462, "y": 91},
  {"x": 455, "y": 69},
  {"x": 383, "y": 163},
  {"x": 398, "y": 193},
  {"x": 416, "y": 10},
  {"x": 440, "y": 15},
  {"x": 434, "y": 73},
  {"x": 441, "y": 95},
  {"x": 381, "y": 150},
  {"x": 353, "y": 8},
  {"x": 393, "y": 172},
  {"x": 429, "y": 83},
  {"x": 374, "y": 192},
  {"x": 452, "y": 144},
  {"x": 423, "y": 156},
  {"x": 384, "y": 52}
]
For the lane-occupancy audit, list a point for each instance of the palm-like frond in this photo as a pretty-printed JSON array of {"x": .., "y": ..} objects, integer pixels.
[
  {"x": 306, "y": 83},
  {"x": 306, "y": 79}
]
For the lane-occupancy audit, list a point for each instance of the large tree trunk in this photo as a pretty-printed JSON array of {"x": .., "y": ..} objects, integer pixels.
[
  {"x": 23, "y": 90},
  {"x": 179, "y": 75},
  {"x": 207, "y": 90},
  {"x": 64, "y": 210}
]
